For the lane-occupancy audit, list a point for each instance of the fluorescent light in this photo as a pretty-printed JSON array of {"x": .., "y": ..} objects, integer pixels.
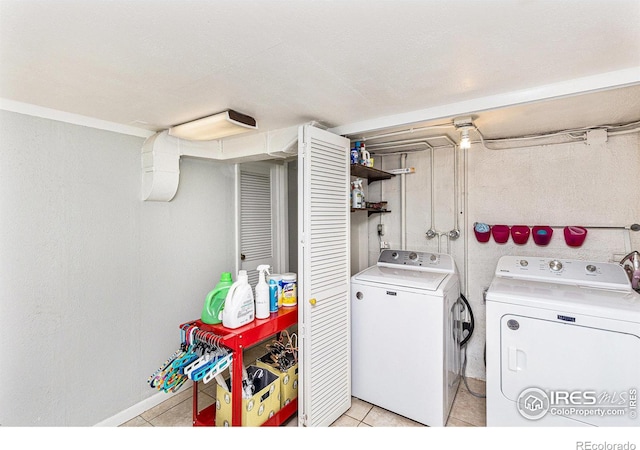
[{"x": 226, "y": 123}]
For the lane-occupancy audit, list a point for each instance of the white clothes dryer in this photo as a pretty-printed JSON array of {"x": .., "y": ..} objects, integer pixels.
[
  {"x": 563, "y": 344},
  {"x": 405, "y": 329}
]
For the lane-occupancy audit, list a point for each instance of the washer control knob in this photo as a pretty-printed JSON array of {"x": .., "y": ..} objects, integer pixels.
[
  {"x": 394, "y": 255},
  {"x": 413, "y": 256},
  {"x": 433, "y": 258},
  {"x": 555, "y": 265},
  {"x": 591, "y": 268},
  {"x": 524, "y": 262}
]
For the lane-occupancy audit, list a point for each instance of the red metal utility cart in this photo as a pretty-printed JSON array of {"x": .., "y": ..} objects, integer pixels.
[{"x": 238, "y": 340}]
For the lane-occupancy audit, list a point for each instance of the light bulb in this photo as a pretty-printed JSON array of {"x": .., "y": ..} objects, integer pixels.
[{"x": 465, "y": 142}]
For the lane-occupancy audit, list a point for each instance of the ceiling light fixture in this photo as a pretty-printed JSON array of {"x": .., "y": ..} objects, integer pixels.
[
  {"x": 464, "y": 124},
  {"x": 465, "y": 142},
  {"x": 226, "y": 123}
]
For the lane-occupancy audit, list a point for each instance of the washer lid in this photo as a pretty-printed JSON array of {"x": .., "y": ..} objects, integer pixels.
[
  {"x": 416, "y": 279},
  {"x": 588, "y": 300}
]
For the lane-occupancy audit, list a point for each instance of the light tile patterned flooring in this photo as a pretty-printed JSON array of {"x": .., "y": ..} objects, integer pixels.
[{"x": 468, "y": 410}]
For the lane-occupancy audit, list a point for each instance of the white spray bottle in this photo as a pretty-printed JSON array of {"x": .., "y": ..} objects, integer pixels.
[{"x": 262, "y": 293}]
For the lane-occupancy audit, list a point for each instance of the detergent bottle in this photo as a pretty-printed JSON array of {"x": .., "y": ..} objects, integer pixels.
[
  {"x": 239, "y": 308},
  {"x": 355, "y": 155},
  {"x": 262, "y": 293},
  {"x": 357, "y": 194},
  {"x": 365, "y": 156},
  {"x": 214, "y": 302}
]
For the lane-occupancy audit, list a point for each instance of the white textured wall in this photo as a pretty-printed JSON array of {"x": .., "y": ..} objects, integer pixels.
[
  {"x": 93, "y": 281},
  {"x": 556, "y": 185}
]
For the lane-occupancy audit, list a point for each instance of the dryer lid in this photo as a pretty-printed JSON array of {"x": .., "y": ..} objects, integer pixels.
[{"x": 416, "y": 279}]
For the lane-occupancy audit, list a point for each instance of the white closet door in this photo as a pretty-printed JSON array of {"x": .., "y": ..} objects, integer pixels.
[
  {"x": 324, "y": 276},
  {"x": 255, "y": 219}
]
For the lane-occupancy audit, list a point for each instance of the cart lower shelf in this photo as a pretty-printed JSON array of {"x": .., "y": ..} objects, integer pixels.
[{"x": 207, "y": 417}]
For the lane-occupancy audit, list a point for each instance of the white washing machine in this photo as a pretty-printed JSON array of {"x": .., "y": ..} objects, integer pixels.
[
  {"x": 405, "y": 329},
  {"x": 563, "y": 344}
]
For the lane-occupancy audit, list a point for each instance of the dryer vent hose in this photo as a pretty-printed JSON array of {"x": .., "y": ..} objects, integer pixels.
[{"x": 467, "y": 326}]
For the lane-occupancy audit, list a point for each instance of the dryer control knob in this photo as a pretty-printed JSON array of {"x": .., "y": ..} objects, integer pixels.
[
  {"x": 591, "y": 268},
  {"x": 555, "y": 265}
]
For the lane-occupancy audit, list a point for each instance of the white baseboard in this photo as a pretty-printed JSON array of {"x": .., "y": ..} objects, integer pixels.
[{"x": 135, "y": 410}]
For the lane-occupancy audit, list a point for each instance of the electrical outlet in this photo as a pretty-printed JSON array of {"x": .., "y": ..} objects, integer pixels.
[{"x": 384, "y": 245}]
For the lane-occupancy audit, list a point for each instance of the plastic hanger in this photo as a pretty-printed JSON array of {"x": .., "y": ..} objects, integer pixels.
[
  {"x": 218, "y": 368},
  {"x": 210, "y": 364}
]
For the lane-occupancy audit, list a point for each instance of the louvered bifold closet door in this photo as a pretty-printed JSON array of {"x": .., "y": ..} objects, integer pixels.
[
  {"x": 324, "y": 276},
  {"x": 256, "y": 235}
]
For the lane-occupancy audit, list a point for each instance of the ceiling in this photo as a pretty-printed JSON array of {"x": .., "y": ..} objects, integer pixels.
[{"x": 518, "y": 67}]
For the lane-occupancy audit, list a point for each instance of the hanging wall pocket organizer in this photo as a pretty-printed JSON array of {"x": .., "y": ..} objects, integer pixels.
[
  {"x": 482, "y": 231},
  {"x": 574, "y": 236},
  {"x": 542, "y": 234},
  {"x": 520, "y": 234},
  {"x": 500, "y": 233}
]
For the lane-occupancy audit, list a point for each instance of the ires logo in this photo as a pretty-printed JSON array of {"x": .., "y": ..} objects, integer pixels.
[
  {"x": 534, "y": 403},
  {"x": 574, "y": 398}
]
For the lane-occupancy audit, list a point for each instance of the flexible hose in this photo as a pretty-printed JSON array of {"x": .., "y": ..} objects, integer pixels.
[
  {"x": 463, "y": 346},
  {"x": 472, "y": 323},
  {"x": 464, "y": 377}
]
